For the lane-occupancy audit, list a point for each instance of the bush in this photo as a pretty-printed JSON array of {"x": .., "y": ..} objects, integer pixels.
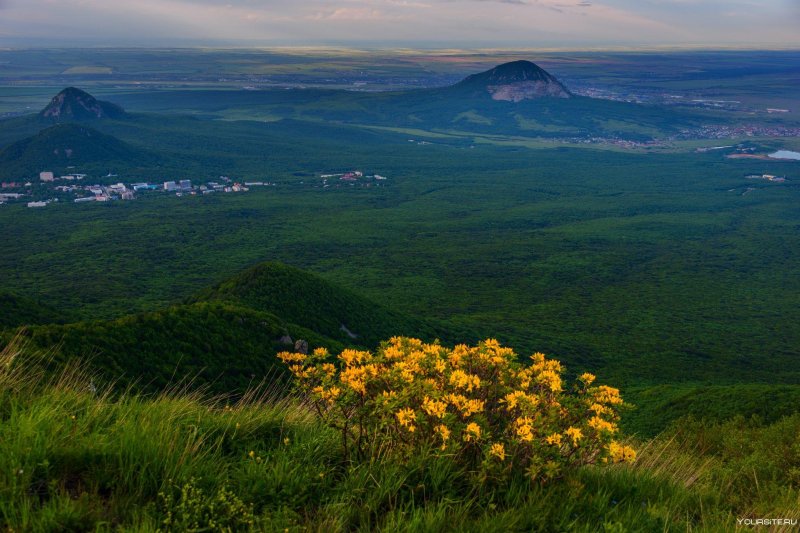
[{"x": 478, "y": 405}]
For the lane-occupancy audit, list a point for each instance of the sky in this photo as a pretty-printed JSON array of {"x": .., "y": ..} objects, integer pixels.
[{"x": 406, "y": 23}]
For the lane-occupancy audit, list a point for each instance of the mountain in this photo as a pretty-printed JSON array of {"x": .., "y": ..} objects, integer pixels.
[
  {"x": 65, "y": 145},
  {"x": 514, "y": 82},
  {"x": 75, "y": 105},
  {"x": 312, "y": 302}
]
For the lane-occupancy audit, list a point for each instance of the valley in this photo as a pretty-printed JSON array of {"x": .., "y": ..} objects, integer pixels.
[{"x": 624, "y": 217}]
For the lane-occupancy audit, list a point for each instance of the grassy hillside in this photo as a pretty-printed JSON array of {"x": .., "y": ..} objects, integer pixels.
[
  {"x": 658, "y": 407},
  {"x": 74, "y": 460},
  {"x": 303, "y": 298},
  {"x": 218, "y": 346}
]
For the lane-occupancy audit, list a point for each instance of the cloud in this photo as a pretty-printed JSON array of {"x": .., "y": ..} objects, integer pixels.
[{"x": 521, "y": 22}]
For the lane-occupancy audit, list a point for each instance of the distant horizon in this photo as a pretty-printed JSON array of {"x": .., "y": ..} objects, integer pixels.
[
  {"x": 417, "y": 24},
  {"x": 433, "y": 49}
]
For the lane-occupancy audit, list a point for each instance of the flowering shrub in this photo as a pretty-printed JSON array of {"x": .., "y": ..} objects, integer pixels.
[{"x": 478, "y": 404}]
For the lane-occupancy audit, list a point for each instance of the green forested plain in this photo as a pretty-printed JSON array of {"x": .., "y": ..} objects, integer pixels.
[{"x": 667, "y": 273}]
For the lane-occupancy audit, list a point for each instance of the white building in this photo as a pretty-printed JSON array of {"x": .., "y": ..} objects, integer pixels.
[
  {"x": 37, "y": 204},
  {"x": 46, "y": 176},
  {"x": 170, "y": 186}
]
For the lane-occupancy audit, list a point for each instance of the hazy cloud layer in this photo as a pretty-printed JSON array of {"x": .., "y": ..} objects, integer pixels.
[{"x": 412, "y": 22}]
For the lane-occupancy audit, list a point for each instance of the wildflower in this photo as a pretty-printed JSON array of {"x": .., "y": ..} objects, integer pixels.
[
  {"x": 320, "y": 353},
  {"x": 462, "y": 380},
  {"x": 472, "y": 432},
  {"x": 444, "y": 433},
  {"x": 554, "y": 439},
  {"x": 292, "y": 357},
  {"x": 550, "y": 379},
  {"x": 618, "y": 453},
  {"x": 575, "y": 434},
  {"x": 513, "y": 399},
  {"x": 498, "y": 450},
  {"x": 353, "y": 357},
  {"x": 434, "y": 408},
  {"x": 524, "y": 428},
  {"x": 587, "y": 378},
  {"x": 607, "y": 395},
  {"x": 599, "y": 425},
  {"x": 251, "y": 454},
  {"x": 406, "y": 417}
]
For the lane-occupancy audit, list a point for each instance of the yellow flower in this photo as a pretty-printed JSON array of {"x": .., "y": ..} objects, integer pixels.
[
  {"x": 498, "y": 450},
  {"x": 524, "y": 428},
  {"x": 292, "y": 357},
  {"x": 444, "y": 433},
  {"x": 462, "y": 380},
  {"x": 472, "y": 432},
  {"x": 434, "y": 408},
  {"x": 598, "y": 409},
  {"x": 607, "y": 395},
  {"x": 575, "y": 434},
  {"x": 550, "y": 379},
  {"x": 320, "y": 352},
  {"x": 353, "y": 357},
  {"x": 619, "y": 453},
  {"x": 513, "y": 399},
  {"x": 406, "y": 417},
  {"x": 587, "y": 378},
  {"x": 554, "y": 439},
  {"x": 355, "y": 378},
  {"x": 599, "y": 424}
]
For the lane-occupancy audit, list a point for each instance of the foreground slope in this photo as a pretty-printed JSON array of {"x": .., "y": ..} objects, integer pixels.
[{"x": 73, "y": 459}]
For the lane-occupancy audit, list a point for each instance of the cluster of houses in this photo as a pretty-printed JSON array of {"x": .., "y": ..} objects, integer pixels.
[
  {"x": 118, "y": 191},
  {"x": 350, "y": 177},
  {"x": 768, "y": 177}
]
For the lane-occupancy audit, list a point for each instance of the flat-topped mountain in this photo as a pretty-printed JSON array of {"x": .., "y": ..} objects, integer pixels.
[{"x": 73, "y": 104}]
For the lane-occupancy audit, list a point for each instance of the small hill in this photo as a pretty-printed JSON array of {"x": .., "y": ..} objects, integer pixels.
[
  {"x": 18, "y": 311},
  {"x": 220, "y": 346},
  {"x": 514, "y": 82},
  {"x": 75, "y": 105},
  {"x": 305, "y": 299},
  {"x": 65, "y": 145}
]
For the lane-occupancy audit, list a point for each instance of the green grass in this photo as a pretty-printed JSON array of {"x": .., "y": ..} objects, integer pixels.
[{"x": 72, "y": 459}]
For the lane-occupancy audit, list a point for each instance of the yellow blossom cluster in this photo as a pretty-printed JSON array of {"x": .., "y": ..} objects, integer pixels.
[{"x": 481, "y": 405}]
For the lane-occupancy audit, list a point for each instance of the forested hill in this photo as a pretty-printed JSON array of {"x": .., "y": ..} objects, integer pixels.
[{"x": 303, "y": 298}]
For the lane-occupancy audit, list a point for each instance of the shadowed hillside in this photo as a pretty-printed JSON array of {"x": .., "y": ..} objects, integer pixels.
[
  {"x": 314, "y": 303},
  {"x": 63, "y": 145},
  {"x": 219, "y": 346},
  {"x": 19, "y": 311}
]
